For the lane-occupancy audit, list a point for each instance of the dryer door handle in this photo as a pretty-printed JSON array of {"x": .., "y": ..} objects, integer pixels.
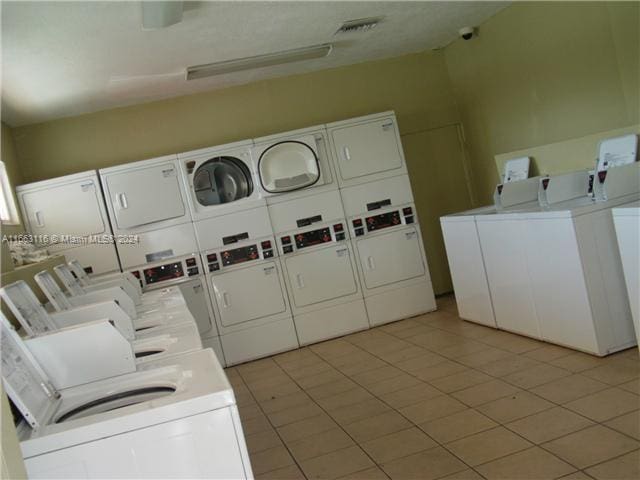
[
  {"x": 225, "y": 300},
  {"x": 122, "y": 200},
  {"x": 370, "y": 263},
  {"x": 39, "y": 219},
  {"x": 346, "y": 152},
  {"x": 299, "y": 280}
]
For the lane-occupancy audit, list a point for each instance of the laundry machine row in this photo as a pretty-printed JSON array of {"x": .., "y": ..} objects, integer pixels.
[{"x": 168, "y": 418}]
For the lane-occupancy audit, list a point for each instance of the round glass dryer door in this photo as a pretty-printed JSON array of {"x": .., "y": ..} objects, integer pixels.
[
  {"x": 222, "y": 180},
  {"x": 287, "y": 166}
]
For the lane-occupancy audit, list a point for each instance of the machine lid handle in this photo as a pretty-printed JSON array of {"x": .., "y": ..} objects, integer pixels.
[
  {"x": 122, "y": 200},
  {"x": 370, "y": 263},
  {"x": 347, "y": 154},
  {"x": 39, "y": 219},
  {"x": 299, "y": 280}
]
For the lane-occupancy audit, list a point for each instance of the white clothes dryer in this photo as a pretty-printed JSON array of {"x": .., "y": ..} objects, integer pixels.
[
  {"x": 70, "y": 206},
  {"x": 320, "y": 267},
  {"x": 246, "y": 285},
  {"x": 390, "y": 253},
  {"x": 144, "y": 196},
  {"x": 294, "y": 164},
  {"x": 367, "y": 148},
  {"x": 220, "y": 180}
]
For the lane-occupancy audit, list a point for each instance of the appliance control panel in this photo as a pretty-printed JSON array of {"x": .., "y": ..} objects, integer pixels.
[
  {"x": 299, "y": 240},
  {"x": 168, "y": 271},
  {"x": 362, "y": 225},
  {"x": 250, "y": 251}
]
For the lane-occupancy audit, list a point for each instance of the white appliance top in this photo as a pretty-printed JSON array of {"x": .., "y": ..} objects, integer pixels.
[
  {"x": 617, "y": 151},
  {"x": 560, "y": 188},
  {"x": 200, "y": 386},
  {"x": 516, "y": 169},
  {"x": 629, "y": 210}
]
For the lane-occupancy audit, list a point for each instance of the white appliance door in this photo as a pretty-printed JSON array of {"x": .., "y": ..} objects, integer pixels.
[
  {"x": 71, "y": 209},
  {"x": 289, "y": 165},
  {"x": 321, "y": 275},
  {"x": 367, "y": 148},
  {"x": 146, "y": 195},
  {"x": 197, "y": 300},
  {"x": 249, "y": 293},
  {"x": 391, "y": 257},
  {"x": 504, "y": 247}
]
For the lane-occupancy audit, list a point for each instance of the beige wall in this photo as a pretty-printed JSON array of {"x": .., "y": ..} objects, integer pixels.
[
  {"x": 540, "y": 73},
  {"x": 415, "y": 86}
]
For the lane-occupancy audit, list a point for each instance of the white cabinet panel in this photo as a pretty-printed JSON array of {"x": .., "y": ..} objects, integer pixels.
[
  {"x": 71, "y": 209},
  {"x": 321, "y": 275},
  {"x": 145, "y": 195},
  {"x": 564, "y": 313},
  {"x": 467, "y": 271},
  {"x": 504, "y": 247},
  {"x": 391, "y": 257},
  {"x": 367, "y": 148},
  {"x": 249, "y": 293}
]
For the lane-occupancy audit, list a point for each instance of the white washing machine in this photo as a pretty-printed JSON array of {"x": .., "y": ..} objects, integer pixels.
[
  {"x": 71, "y": 205},
  {"x": 465, "y": 255},
  {"x": 367, "y": 148},
  {"x": 320, "y": 267},
  {"x": 144, "y": 196},
  {"x": 627, "y": 224},
  {"x": 393, "y": 267},
  {"x": 176, "y": 419},
  {"x": 220, "y": 180},
  {"x": 575, "y": 271},
  {"x": 145, "y": 316},
  {"x": 294, "y": 164},
  {"x": 187, "y": 274},
  {"x": 246, "y": 284},
  {"x": 165, "y": 296},
  {"x": 38, "y": 324}
]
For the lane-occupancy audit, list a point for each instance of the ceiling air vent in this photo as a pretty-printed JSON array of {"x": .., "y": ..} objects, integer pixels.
[{"x": 359, "y": 25}]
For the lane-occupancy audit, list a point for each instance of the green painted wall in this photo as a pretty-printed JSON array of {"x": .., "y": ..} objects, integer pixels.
[{"x": 545, "y": 72}]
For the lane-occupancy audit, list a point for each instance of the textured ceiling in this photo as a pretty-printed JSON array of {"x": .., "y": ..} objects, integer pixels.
[{"x": 61, "y": 59}]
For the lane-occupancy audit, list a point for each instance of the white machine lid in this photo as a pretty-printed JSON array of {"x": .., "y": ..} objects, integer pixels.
[
  {"x": 516, "y": 169},
  {"x": 52, "y": 291},
  {"x": 25, "y": 382},
  {"x": 289, "y": 165},
  {"x": 617, "y": 151},
  {"x": 69, "y": 281},
  {"x": 27, "y": 308},
  {"x": 79, "y": 271}
]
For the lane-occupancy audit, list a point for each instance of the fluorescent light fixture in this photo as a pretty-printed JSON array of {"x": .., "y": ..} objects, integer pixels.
[{"x": 259, "y": 61}]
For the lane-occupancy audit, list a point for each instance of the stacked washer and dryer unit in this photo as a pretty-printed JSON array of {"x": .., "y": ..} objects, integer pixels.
[
  {"x": 147, "y": 202},
  {"x": 285, "y": 266}
]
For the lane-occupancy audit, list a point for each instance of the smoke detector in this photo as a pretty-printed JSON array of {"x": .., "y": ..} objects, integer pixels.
[{"x": 359, "y": 25}]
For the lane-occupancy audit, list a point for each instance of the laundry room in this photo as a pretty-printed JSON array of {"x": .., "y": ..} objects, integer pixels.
[{"x": 320, "y": 239}]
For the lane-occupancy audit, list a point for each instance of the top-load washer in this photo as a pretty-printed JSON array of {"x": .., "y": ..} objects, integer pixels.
[
  {"x": 366, "y": 149},
  {"x": 70, "y": 206},
  {"x": 177, "y": 418},
  {"x": 220, "y": 180},
  {"x": 574, "y": 267},
  {"x": 294, "y": 164},
  {"x": 320, "y": 267},
  {"x": 390, "y": 254},
  {"x": 246, "y": 284},
  {"x": 627, "y": 224},
  {"x": 465, "y": 255},
  {"x": 145, "y": 195},
  {"x": 39, "y": 325}
]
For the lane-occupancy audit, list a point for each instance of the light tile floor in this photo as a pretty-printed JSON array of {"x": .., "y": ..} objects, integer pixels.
[{"x": 436, "y": 397}]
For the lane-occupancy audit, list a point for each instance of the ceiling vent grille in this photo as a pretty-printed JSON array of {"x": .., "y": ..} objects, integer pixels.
[{"x": 359, "y": 25}]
